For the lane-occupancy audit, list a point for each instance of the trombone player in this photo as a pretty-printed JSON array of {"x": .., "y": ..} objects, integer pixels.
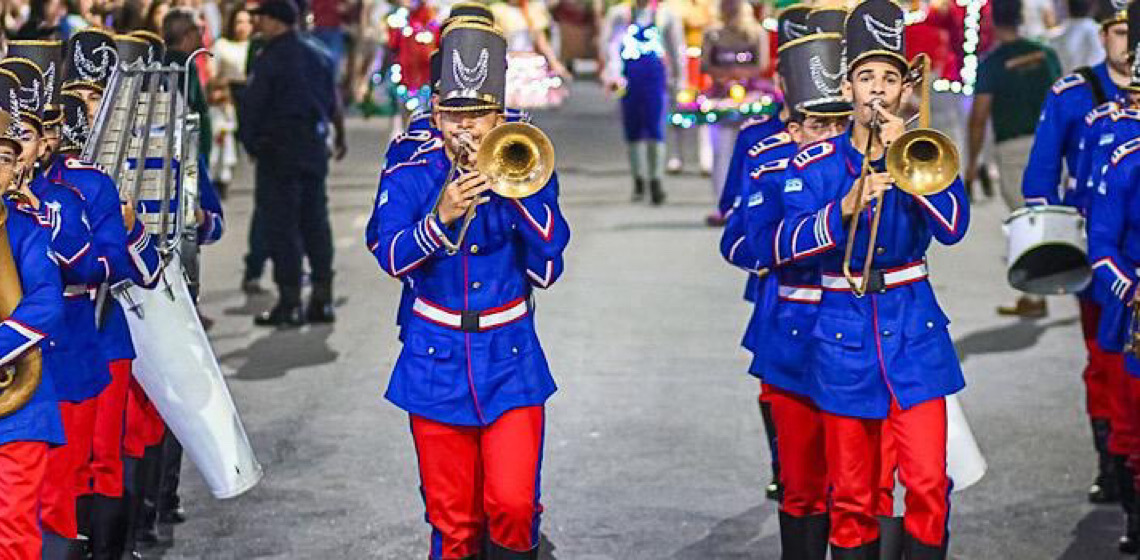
[
  {"x": 883, "y": 362},
  {"x": 474, "y": 242}
]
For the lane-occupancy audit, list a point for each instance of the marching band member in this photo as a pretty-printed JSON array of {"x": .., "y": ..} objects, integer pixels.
[
  {"x": 643, "y": 63},
  {"x": 788, "y": 297},
  {"x": 27, "y": 432},
  {"x": 1057, "y": 142},
  {"x": 479, "y": 441},
  {"x": 882, "y": 364}
]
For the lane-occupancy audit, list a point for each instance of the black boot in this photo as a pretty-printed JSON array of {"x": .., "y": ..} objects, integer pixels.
[
  {"x": 913, "y": 549},
  {"x": 656, "y": 193},
  {"x": 287, "y": 313},
  {"x": 56, "y": 547},
  {"x": 773, "y": 491},
  {"x": 83, "y": 514},
  {"x": 890, "y": 538},
  {"x": 108, "y": 528},
  {"x": 169, "y": 503},
  {"x": 321, "y": 304},
  {"x": 1104, "y": 488},
  {"x": 869, "y": 551},
  {"x": 496, "y": 552},
  {"x": 638, "y": 190},
  {"x": 1130, "y": 541},
  {"x": 803, "y": 538},
  {"x": 145, "y": 509}
]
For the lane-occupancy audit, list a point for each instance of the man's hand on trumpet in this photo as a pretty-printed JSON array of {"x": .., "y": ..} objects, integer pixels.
[
  {"x": 460, "y": 194},
  {"x": 863, "y": 192}
]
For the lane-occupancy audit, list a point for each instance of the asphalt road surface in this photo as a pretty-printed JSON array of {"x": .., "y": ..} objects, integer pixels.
[{"x": 654, "y": 444}]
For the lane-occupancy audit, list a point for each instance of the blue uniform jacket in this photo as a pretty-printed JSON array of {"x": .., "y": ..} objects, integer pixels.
[
  {"x": 891, "y": 344},
  {"x": 752, "y": 131},
  {"x": 1095, "y": 147},
  {"x": 775, "y": 146},
  {"x": 511, "y": 248},
  {"x": 35, "y": 320},
  {"x": 78, "y": 367},
  {"x": 1059, "y": 134},
  {"x": 211, "y": 230},
  {"x": 1114, "y": 243}
]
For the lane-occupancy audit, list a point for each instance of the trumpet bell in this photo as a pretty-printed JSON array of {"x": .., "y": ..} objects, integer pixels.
[
  {"x": 923, "y": 162},
  {"x": 518, "y": 158}
]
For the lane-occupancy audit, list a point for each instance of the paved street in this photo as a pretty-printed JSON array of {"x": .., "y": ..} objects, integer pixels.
[{"x": 654, "y": 446}]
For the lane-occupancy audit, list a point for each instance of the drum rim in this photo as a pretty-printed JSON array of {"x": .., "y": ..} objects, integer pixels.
[{"x": 1058, "y": 209}]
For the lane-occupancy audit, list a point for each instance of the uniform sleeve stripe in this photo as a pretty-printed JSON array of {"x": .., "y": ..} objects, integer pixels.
[
  {"x": 82, "y": 251},
  {"x": 544, "y": 230},
  {"x": 951, "y": 225},
  {"x": 1122, "y": 283},
  {"x": 544, "y": 280}
]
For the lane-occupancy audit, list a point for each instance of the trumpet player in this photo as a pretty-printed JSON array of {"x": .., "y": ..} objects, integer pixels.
[
  {"x": 472, "y": 375},
  {"x": 32, "y": 307},
  {"x": 882, "y": 362}
]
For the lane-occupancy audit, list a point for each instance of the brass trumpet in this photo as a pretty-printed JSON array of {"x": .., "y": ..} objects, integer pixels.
[
  {"x": 1132, "y": 346},
  {"x": 518, "y": 160},
  {"x": 19, "y": 379},
  {"x": 922, "y": 162}
]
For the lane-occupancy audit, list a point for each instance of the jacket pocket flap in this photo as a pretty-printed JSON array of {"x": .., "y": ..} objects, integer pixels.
[
  {"x": 439, "y": 348},
  {"x": 839, "y": 330}
]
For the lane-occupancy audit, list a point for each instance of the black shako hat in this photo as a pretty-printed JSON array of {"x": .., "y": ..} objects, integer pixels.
[
  {"x": 9, "y": 107},
  {"x": 791, "y": 24},
  {"x": 827, "y": 20},
  {"x": 1110, "y": 12},
  {"x": 473, "y": 68},
  {"x": 284, "y": 11},
  {"x": 471, "y": 9},
  {"x": 48, "y": 57},
  {"x": 139, "y": 46},
  {"x": 75, "y": 128},
  {"x": 30, "y": 96},
  {"x": 875, "y": 28},
  {"x": 813, "y": 73},
  {"x": 89, "y": 60}
]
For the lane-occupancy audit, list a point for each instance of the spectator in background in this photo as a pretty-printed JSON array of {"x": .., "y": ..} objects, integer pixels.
[
  {"x": 328, "y": 28},
  {"x": 156, "y": 14},
  {"x": 1012, "y": 82},
  {"x": 231, "y": 54},
  {"x": 132, "y": 15},
  {"x": 1078, "y": 44},
  {"x": 1037, "y": 18},
  {"x": 182, "y": 33},
  {"x": 44, "y": 19}
]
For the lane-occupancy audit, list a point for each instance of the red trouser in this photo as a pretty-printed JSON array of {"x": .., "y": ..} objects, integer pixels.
[
  {"x": 1099, "y": 385},
  {"x": 481, "y": 479},
  {"x": 23, "y": 465},
  {"x": 107, "y": 446},
  {"x": 854, "y": 457},
  {"x": 144, "y": 424},
  {"x": 888, "y": 464},
  {"x": 1123, "y": 439},
  {"x": 65, "y": 465},
  {"x": 799, "y": 444}
]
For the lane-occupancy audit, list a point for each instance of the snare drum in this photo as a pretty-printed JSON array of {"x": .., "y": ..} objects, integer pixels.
[{"x": 1048, "y": 250}]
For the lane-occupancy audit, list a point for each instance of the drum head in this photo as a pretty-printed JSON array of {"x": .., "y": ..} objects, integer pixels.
[{"x": 1051, "y": 269}]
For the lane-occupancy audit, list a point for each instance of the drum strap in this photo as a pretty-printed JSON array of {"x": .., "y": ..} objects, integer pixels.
[{"x": 1094, "y": 84}]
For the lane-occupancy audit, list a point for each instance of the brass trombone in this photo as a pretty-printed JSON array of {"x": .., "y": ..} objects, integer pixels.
[
  {"x": 922, "y": 162},
  {"x": 1132, "y": 346},
  {"x": 518, "y": 160},
  {"x": 20, "y": 378}
]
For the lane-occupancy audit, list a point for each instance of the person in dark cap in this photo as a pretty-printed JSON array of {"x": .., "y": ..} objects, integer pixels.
[
  {"x": 786, "y": 298},
  {"x": 862, "y": 374},
  {"x": 286, "y": 111},
  {"x": 480, "y": 449}
]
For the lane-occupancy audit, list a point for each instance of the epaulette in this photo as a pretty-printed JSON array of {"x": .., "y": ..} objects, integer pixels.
[
  {"x": 393, "y": 169},
  {"x": 813, "y": 153},
  {"x": 774, "y": 165},
  {"x": 420, "y": 114},
  {"x": 516, "y": 115},
  {"x": 1125, "y": 149},
  {"x": 773, "y": 141},
  {"x": 1067, "y": 82},
  {"x": 1131, "y": 114},
  {"x": 429, "y": 146},
  {"x": 1108, "y": 108},
  {"x": 753, "y": 121},
  {"x": 76, "y": 163},
  {"x": 414, "y": 136}
]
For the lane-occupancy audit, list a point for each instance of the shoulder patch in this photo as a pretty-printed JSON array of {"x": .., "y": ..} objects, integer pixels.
[
  {"x": 756, "y": 199},
  {"x": 1067, "y": 82},
  {"x": 429, "y": 146},
  {"x": 813, "y": 153},
  {"x": 398, "y": 166},
  {"x": 773, "y": 141},
  {"x": 1105, "y": 109},
  {"x": 753, "y": 121},
  {"x": 795, "y": 184},
  {"x": 1130, "y": 114},
  {"x": 422, "y": 135},
  {"x": 774, "y": 165},
  {"x": 76, "y": 163},
  {"x": 1124, "y": 149}
]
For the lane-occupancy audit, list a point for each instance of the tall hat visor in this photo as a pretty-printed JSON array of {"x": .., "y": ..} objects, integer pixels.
[
  {"x": 90, "y": 59},
  {"x": 813, "y": 75},
  {"x": 791, "y": 24},
  {"x": 471, "y": 9},
  {"x": 827, "y": 20},
  {"x": 876, "y": 28},
  {"x": 473, "y": 68},
  {"x": 1134, "y": 46},
  {"x": 30, "y": 96},
  {"x": 48, "y": 57},
  {"x": 9, "y": 107},
  {"x": 1110, "y": 12},
  {"x": 75, "y": 128}
]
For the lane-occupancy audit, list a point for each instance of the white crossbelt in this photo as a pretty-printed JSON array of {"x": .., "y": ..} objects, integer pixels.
[
  {"x": 488, "y": 319},
  {"x": 76, "y": 290},
  {"x": 891, "y": 277}
]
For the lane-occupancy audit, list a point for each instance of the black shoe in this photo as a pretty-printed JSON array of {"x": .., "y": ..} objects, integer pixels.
[
  {"x": 1129, "y": 542},
  {"x": 656, "y": 193},
  {"x": 774, "y": 491},
  {"x": 803, "y": 538},
  {"x": 1104, "y": 489},
  {"x": 281, "y": 316},
  {"x": 251, "y": 287},
  {"x": 108, "y": 528},
  {"x": 172, "y": 516},
  {"x": 320, "y": 312},
  {"x": 913, "y": 549},
  {"x": 638, "y": 190},
  {"x": 869, "y": 551},
  {"x": 496, "y": 552}
]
